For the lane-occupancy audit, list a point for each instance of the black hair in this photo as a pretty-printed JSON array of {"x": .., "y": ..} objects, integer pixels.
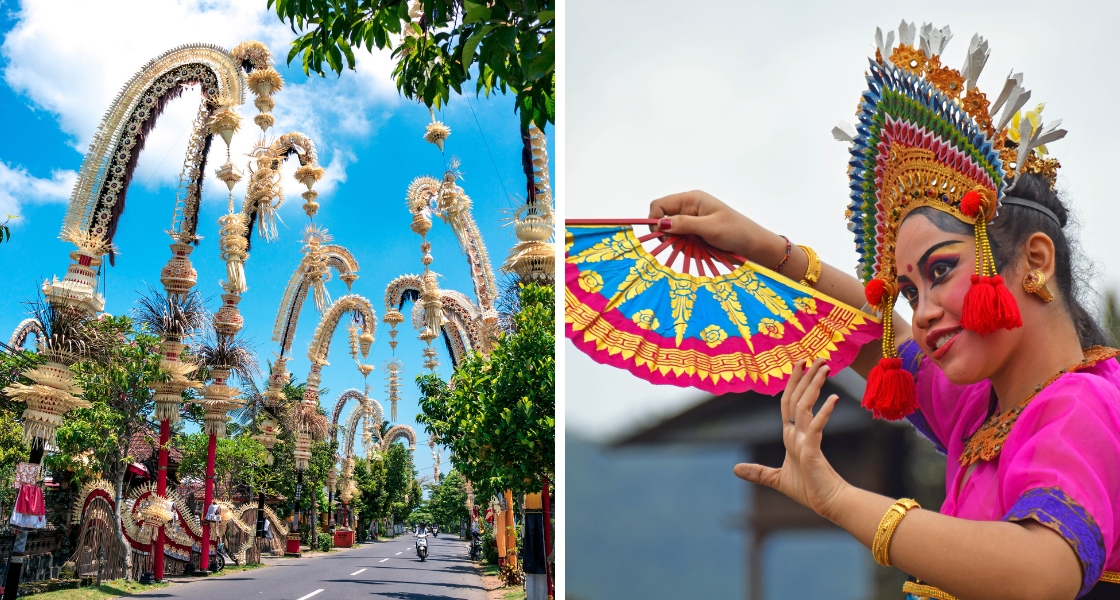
[{"x": 1011, "y": 228}]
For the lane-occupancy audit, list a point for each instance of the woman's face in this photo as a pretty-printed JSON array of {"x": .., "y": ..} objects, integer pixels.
[{"x": 935, "y": 270}]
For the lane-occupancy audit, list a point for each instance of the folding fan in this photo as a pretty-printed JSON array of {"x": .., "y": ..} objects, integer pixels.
[{"x": 730, "y": 327}]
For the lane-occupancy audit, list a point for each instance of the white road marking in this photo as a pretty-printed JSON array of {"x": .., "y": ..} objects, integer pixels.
[
  {"x": 311, "y": 594},
  {"x": 356, "y": 572},
  {"x": 382, "y": 560},
  {"x": 401, "y": 552}
]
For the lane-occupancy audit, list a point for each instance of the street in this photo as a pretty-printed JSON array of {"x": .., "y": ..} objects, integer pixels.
[{"x": 387, "y": 569}]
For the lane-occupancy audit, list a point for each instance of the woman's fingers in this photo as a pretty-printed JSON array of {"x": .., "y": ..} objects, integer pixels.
[
  {"x": 816, "y": 377},
  {"x": 675, "y": 204},
  {"x": 788, "y": 393},
  {"x": 816, "y": 426},
  {"x": 802, "y": 385},
  {"x": 762, "y": 475}
]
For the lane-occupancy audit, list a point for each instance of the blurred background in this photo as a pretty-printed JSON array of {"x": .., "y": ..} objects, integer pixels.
[{"x": 738, "y": 99}]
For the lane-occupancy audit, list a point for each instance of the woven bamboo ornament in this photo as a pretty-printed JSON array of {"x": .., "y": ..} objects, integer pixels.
[
  {"x": 51, "y": 396},
  {"x": 436, "y": 132},
  {"x": 218, "y": 400},
  {"x": 169, "y": 394},
  {"x": 927, "y": 137},
  {"x": 302, "y": 451},
  {"x": 274, "y": 396},
  {"x": 178, "y": 276}
]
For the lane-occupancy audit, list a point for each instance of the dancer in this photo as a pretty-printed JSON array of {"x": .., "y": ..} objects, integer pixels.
[{"x": 955, "y": 213}]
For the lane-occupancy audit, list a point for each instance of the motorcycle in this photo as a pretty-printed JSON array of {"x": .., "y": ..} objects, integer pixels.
[
  {"x": 422, "y": 547},
  {"x": 219, "y": 557},
  {"x": 476, "y": 548},
  {"x": 435, "y": 531}
]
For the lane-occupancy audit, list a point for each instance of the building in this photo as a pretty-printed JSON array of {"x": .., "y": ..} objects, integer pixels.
[{"x": 887, "y": 458}]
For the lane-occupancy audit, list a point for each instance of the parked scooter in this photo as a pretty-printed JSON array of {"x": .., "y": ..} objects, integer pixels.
[
  {"x": 422, "y": 546},
  {"x": 476, "y": 547}
]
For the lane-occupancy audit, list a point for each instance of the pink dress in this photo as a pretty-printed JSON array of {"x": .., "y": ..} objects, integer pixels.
[{"x": 1059, "y": 465}]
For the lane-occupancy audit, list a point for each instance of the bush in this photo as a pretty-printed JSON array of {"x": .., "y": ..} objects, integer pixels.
[
  {"x": 489, "y": 546},
  {"x": 326, "y": 542}
]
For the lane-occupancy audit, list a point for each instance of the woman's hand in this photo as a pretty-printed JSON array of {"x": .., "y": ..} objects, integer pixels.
[
  {"x": 700, "y": 213},
  {"x": 805, "y": 475}
]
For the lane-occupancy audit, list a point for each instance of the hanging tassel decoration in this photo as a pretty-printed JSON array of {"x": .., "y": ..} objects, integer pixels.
[
  {"x": 890, "y": 392},
  {"x": 988, "y": 305}
]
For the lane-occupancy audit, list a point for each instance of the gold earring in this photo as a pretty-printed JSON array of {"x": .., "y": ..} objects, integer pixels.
[{"x": 1035, "y": 283}]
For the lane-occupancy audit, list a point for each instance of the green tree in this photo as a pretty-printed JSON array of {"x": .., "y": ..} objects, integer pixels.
[
  {"x": 5, "y": 230},
  {"x": 400, "y": 476},
  {"x": 373, "y": 503},
  {"x": 499, "y": 419},
  {"x": 512, "y": 43},
  {"x": 448, "y": 500},
  {"x": 1112, "y": 317},
  {"x": 95, "y": 441},
  {"x": 12, "y": 449},
  {"x": 236, "y": 460}
]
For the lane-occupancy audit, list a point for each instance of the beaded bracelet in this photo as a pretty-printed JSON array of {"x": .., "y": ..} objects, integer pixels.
[
  {"x": 880, "y": 546},
  {"x": 789, "y": 249}
]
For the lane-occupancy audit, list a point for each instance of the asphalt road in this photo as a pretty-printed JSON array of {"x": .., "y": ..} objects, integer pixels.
[{"x": 386, "y": 569}]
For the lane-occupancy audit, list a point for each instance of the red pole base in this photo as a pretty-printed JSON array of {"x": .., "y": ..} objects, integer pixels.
[
  {"x": 292, "y": 548},
  {"x": 208, "y": 498},
  {"x": 161, "y": 489}
]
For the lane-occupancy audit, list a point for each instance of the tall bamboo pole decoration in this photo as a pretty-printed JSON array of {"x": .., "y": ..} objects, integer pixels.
[{"x": 178, "y": 276}]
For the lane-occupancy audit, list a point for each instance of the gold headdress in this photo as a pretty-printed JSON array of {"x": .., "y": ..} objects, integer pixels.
[{"x": 928, "y": 137}]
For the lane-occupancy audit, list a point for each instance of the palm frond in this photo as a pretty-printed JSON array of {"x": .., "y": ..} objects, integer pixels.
[
  {"x": 172, "y": 316},
  {"x": 235, "y": 354},
  {"x": 65, "y": 329}
]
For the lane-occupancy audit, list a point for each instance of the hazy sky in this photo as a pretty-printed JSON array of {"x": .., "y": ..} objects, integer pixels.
[
  {"x": 63, "y": 62},
  {"x": 739, "y": 98}
]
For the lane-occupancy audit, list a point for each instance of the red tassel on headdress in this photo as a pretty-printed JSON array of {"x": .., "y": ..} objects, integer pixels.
[
  {"x": 988, "y": 305},
  {"x": 890, "y": 390}
]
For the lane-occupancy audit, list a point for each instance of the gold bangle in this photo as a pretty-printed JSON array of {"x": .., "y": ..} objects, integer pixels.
[
  {"x": 880, "y": 546},
  {"x": 813, "y": 271}
]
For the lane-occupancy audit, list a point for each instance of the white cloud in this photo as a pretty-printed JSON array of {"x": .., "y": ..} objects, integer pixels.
[
  {"x": 17, "y": 186},
  {"x": 54, "y": 58}
]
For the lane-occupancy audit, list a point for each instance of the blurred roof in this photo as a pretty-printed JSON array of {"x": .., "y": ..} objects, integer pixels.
[
  {"x": 145, "y": 445},
  {"x": 749, "y": 418}
]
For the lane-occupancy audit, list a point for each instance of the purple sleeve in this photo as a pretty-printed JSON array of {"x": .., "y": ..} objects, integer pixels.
[
  {"x": 1058, "y": 466},
  {"x": 1052, "y": 508},
  {"x": 911, "y": 356}
]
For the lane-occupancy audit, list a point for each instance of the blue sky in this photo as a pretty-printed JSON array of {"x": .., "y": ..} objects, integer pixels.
[{"x": 62, "y": 62}]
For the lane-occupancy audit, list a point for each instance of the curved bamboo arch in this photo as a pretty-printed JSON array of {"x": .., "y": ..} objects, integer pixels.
[
  {"x": 140, "y": 539},
  {"x": 296, "y": 293},
  {"x": 448, "y": 200},
  {"x": 360, "y": 307},
  {"x": 264, "y": 182},
  {"x": 398, "y": 432},
  {"x": 98, "y": 198},
  {"x": 462, "y": 330},
  {"x": 365, "y": 405},
  {"x": 25, "y": 328}
]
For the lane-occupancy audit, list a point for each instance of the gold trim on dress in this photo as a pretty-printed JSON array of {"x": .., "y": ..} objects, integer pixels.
[
  {"x": 928, "y": 591},
  {"x": 924, "y": 591},
  {"x": 987, "y": 442}
]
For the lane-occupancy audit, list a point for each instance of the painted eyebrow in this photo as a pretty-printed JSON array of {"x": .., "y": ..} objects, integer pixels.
[{"x": 925, "y": 257}]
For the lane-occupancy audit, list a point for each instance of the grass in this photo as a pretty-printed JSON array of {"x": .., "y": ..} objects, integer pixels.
[
  {"x": 108, "y": 589},
  {"x": 489, "y": 568},
  {"x": 518, "y": 594},
  {"x": 237, "y": 569}
]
